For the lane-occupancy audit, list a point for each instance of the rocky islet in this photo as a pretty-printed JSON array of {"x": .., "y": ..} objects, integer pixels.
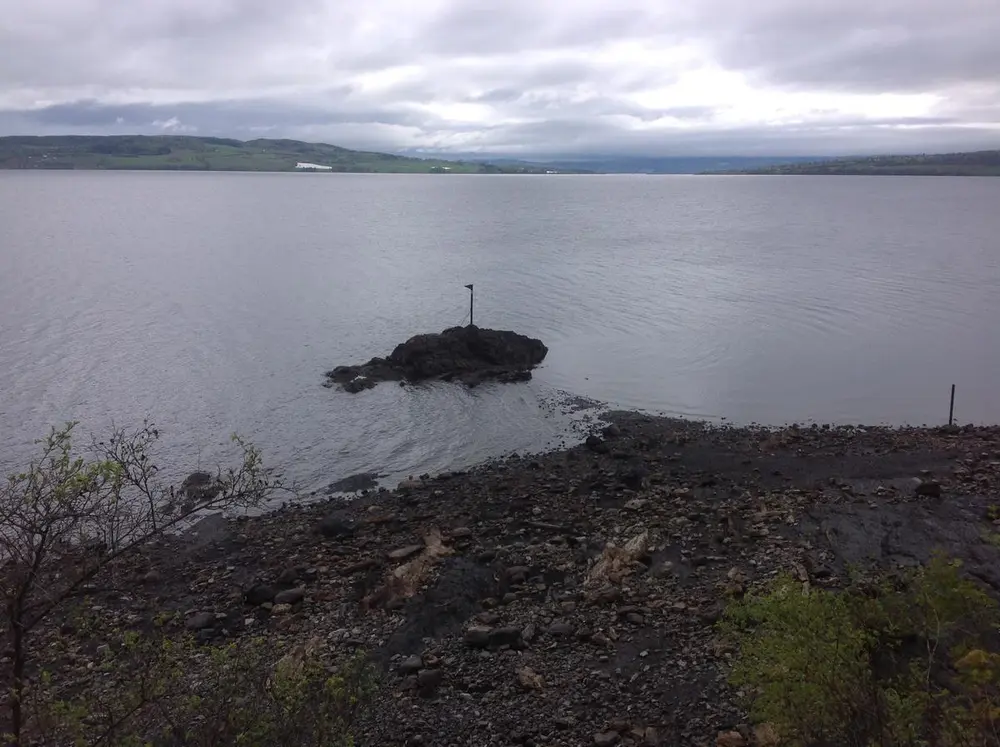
[{"x": 468, "y": 355}]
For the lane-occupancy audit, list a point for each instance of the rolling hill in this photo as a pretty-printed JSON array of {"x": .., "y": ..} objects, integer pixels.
[
  {"x": 185, "y": 153},
  {"x": 977, "y": 163}
]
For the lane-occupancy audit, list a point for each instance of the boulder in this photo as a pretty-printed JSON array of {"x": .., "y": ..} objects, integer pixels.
[{"x": 469, "y": 355}]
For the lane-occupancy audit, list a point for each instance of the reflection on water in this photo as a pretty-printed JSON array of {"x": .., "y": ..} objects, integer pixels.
[{"x": 214, "y": 302}]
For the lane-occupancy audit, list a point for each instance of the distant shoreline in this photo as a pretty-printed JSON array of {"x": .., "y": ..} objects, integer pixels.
[
  {"x": 186, "y": 153},
  {"x": 978, "y": 163}
]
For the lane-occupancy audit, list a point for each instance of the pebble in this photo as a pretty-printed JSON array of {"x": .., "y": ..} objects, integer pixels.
[
  {"x": 290, "y": 596},
  {"x": 430, "y": 679},
  {"x": 200, "y": 621},
  {"x": 288, "y": 577},
  {"x": 411, "y": 664},
  {"x": 338, "y": 525},
  {"x": 259, "y": 595},
  {"x": 928, "y": 489},
  {"x": 478, "y": 636},
  {"x": 505, "y": 637},
  {"x": 560, "y": 629},
  {"x": 404, "y": 553}
]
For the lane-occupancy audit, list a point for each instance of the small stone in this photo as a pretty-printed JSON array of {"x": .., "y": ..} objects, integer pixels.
[
  {"x": 288, "y": 577},
  {"x": 153, "y": 577},
  {"x": 478, "y": 636},
  {"x": 505, "y": 637},
  {"x": 560, "y": 629},
  {"x": 281, "y": 609},
  {"x": 290, "y": 596},
  {"x": 606, "y": 739},
  {"x": 357, "y": 566},
  {"x": 430, "y": 679},
  {"x": 597, "y": 445},
  {"x": 712, "y": 614},
  {"x": 635, "y": 618},
  {"x": 411, "y": 664},
  {"x": 730, "y": 739},
  {"x": 518, "y": 574},
  {"x": 609, "y": 595},
  {"x": 461, "y": 533},
  {"x": 611, "y": 431},
  {"x": 664, "y": 570},
  {"x": 337, "y": 525},
  {"x": 509, "y": 598},
  {"x": 404, "y": 553},
  {"x": 529, "y": 679},
  {"x": 529, "y": 632},
  {"x": 200, "y": 621},
  {"x": 928, "y": 489},
  {"x": 104, "y": 650}
]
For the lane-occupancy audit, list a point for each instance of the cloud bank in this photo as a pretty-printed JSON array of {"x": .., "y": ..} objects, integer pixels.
[{"x": 657, "y": 77}]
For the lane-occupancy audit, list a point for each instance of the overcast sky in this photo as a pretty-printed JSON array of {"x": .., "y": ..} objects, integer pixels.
[{"x": 659, "y": 77}]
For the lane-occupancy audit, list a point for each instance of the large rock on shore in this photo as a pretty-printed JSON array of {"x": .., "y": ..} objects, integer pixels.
[{"x": 469, "y": 355}]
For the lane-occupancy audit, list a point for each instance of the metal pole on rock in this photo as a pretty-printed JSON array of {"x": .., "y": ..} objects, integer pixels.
[
  {"x": 951, "y": 407},
  {"x": 472, "y": 301}
]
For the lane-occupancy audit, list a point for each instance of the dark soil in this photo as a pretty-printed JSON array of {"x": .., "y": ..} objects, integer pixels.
[{"x": 522, "y": 637}]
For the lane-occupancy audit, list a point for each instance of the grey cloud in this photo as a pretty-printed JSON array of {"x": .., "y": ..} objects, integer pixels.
[
  {"x": 214, "y": 118},
  {"x": 855, "y": 45},
  {"x": 520, "y": 76}
]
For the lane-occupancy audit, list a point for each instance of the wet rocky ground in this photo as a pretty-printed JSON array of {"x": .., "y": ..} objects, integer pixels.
[{"x": 570, "y": 598}]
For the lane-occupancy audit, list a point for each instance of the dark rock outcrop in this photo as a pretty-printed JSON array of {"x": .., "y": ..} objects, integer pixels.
[
  {"x": 469, "y": 355},
  {"x": 199, "y": 487}
]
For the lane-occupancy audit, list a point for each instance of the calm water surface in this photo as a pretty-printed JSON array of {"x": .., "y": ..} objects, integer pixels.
[{"x": 214, "y": 302}]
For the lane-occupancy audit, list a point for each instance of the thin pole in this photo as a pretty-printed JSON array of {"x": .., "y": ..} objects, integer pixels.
[
  {"x": 951, "y": 408},
  {"x": 472, "y": 302}
]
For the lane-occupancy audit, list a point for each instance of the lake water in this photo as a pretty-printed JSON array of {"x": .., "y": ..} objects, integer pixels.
[{"x": 215, "y": 302}]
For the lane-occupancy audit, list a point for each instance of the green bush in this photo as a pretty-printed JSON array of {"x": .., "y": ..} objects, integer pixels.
[
  {"x": 175, "y": 693},
  {"x": 904, "y": 661}
]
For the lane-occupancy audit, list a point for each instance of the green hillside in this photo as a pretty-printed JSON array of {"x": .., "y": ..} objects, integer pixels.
[
  {"x": 978, "y": 163},
  {"x": 181, "y": 153}
]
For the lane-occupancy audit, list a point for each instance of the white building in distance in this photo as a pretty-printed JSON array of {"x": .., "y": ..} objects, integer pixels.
[{"x": 315, "y": 166}]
